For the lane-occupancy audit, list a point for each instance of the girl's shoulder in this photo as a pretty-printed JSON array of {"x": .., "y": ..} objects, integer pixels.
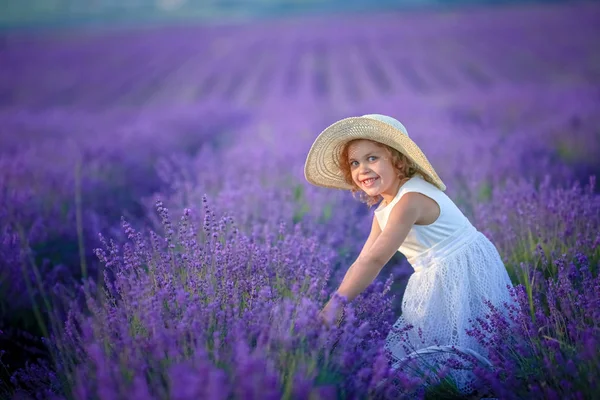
[{"x": 417, "y": 183}]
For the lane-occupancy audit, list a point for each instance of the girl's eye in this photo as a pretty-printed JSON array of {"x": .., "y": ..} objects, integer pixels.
[{"x": 370, "y": 158}]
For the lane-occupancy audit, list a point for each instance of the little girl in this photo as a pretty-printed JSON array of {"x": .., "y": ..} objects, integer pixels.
[{"x": 455, "y": 266}]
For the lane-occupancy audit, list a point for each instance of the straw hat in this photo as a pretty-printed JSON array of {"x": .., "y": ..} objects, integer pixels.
[{"x": 322, "y": 163}]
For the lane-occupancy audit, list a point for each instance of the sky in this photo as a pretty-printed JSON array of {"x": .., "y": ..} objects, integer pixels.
[{"x": 40, "y": 13}]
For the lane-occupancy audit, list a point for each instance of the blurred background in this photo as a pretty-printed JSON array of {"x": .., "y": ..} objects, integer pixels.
[{"x": 106, "y": 105}]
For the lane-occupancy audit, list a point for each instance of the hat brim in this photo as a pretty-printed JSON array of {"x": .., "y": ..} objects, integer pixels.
[{"x": 321, "y": 167}]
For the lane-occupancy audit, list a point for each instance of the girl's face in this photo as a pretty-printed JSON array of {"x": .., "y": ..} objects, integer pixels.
[{"x": 371, "y": 168}]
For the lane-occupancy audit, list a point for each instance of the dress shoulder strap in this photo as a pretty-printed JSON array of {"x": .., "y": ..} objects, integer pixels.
[
  {"x": 415, "y": 184},
  {"x": 418, "y": 184}
]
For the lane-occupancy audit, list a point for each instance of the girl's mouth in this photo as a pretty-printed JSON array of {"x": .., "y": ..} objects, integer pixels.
[{"x": 369, "y": 182}]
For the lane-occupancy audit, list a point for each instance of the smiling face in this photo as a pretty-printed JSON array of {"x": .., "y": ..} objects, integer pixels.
[{"x": 372, "y": 169}]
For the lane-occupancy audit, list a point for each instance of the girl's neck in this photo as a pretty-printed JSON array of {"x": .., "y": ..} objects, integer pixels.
[{"x": 398, "y": 184}]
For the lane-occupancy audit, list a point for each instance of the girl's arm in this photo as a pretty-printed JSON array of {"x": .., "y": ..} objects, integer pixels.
[
  {"x": 373, "y": 235},
  {"x": 373, "y": 258},
  {"x": 375, "y": 231}
]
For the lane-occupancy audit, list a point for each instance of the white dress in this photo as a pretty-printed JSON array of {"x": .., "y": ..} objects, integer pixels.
[{"x": 455, "y": 267}]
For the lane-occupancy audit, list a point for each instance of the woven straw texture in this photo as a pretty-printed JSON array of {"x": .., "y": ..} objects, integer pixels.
[{"x": 322, "y": 163}]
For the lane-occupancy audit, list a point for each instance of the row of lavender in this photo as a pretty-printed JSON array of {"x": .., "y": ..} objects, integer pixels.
[
  {"x": 227, "y": 308},
  {"x": 68, "y": 175},
  {"x": 306, "y": 59}
]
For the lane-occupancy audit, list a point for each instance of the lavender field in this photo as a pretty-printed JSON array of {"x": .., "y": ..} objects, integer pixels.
[{"x": 158, "y": 239}]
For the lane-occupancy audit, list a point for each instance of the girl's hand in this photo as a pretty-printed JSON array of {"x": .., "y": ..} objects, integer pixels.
[{"x": 326, "y": 315}]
